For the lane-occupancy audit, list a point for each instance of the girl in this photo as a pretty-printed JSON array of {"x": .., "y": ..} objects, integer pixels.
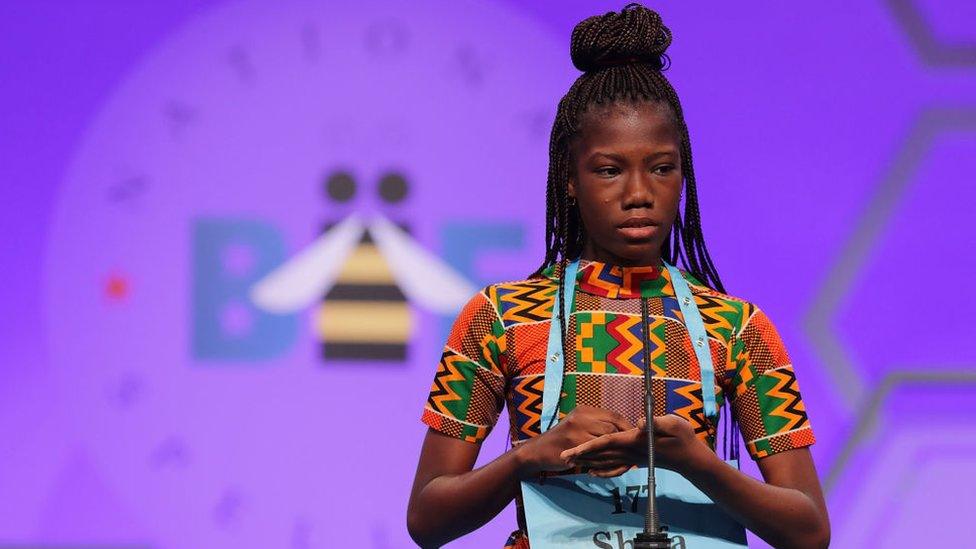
[{"x": 620, "y": 160}]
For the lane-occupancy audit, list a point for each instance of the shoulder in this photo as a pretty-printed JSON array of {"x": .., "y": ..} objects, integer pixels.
[
  {"x": 524, "y": 286},
  {"x": 733, "y": 312},
  {"x": 522, "y": 301}
]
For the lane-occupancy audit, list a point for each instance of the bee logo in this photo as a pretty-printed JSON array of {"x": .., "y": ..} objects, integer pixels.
[{"x": 363, "y": 273}]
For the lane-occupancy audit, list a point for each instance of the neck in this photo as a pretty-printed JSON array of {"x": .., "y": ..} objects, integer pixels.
[{"x": 594, "y": 253}]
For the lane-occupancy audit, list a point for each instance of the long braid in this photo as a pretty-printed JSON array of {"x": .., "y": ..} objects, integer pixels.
[
  {"x": 622, "y": 58},
  {"x": 557, "y": 302}
]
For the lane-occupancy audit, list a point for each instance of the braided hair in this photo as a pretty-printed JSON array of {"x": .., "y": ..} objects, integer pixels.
[{"x": 622, "y": 58}]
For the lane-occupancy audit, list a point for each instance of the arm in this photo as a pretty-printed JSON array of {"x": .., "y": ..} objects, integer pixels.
[
  {"x": 787, "y": 510},
  {"x": 449, "y": 499}
]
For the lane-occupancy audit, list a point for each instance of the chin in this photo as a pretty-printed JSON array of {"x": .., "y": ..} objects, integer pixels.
[{"x": 637, "y": 254}]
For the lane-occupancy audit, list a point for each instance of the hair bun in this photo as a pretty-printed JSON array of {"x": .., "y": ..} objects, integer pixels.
[{"x": 635, "y": 34}]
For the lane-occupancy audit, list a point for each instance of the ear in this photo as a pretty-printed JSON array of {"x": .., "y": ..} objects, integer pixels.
[{"x": 571, "y": 187}]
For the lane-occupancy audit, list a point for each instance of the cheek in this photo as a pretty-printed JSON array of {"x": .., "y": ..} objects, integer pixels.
[{"x": 676, "y": 194}]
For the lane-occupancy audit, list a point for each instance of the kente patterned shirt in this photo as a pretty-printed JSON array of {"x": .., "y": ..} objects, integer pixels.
[{"x": 495, "y": 357}]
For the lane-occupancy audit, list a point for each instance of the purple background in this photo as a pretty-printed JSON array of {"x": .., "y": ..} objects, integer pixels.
[{"x": 833, "y": 146}]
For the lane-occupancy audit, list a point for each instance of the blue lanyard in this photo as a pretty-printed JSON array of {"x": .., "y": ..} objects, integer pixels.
[
  {"x": 553, "y": 384},
  {"x": 555, "y": 362}
]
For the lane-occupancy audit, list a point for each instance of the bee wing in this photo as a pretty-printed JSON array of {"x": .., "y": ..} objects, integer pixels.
[
  {"x": 304, "y": 279},
  {"x": 422, "y": 276}
]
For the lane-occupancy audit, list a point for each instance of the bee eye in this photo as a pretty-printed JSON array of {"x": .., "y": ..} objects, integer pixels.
[
  {"x": 340, "y": 186},
  {"x": 393, "y": 188}
]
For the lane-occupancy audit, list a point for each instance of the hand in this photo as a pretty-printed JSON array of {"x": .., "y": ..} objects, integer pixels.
[
  {"x": 675, "y": 447},
  {"x": 582, "y": 424}
]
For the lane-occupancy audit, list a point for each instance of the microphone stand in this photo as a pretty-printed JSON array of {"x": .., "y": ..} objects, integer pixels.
[{"x": 654, "y": 535}]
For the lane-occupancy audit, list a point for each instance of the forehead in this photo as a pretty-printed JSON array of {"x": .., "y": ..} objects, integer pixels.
[{"x": 627, "y": 124}]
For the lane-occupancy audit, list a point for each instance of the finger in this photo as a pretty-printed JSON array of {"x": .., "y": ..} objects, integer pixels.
[
  {"x": 594, "y": 429},
  {"x": 592, "y": 445},
  {"x": 613, "y": 472},
  {"x": 610, "y": 473},
  {"x": 600, "y": 428},
  {"x": 603, "y": 464},
  {"x": 604, "y": 457},
  {"x": 605, "y": 453},
  {"x": 619, "y": 422},
  {"x": 668, "y": 424},
  {"x": 597, "y": 444},
  {"x": 616, "y": 444},
  {"x": 590, "y": 426}
]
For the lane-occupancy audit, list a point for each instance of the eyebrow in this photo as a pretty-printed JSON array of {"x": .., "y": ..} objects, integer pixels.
[{"x": 612, "y": 156}]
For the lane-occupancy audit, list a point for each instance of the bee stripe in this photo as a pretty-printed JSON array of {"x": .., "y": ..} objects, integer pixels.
[
  {"x": 365, "y": 265},
  {"x": 364, "y": 322},
  {"x": 364, "y": 351},
  {"x": 365, "y": 292}
]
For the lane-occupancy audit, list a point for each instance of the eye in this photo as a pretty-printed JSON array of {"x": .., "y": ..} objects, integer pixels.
[
  {"x": 664, "y": 169},
  {"x": 607, "y": 171}
]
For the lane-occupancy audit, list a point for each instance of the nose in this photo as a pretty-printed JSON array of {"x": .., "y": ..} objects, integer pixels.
[{"x": 638, "y": 192}]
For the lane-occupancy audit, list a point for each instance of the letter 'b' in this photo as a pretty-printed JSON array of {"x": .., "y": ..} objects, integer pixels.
[{"x": 228, "y": 256}]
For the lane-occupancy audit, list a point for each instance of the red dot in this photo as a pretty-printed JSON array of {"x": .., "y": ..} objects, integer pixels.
[{"x": 116, "y": 287}]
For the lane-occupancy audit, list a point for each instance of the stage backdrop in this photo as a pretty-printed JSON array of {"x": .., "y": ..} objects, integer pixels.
[{"x": 221, "y": 332}]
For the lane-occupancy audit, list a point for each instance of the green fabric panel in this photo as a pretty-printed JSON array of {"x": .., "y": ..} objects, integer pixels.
[
  {"x": 691, "y": 278},
  {"x": 469, "y": 431},
  {"x": 764, "y": 446},
  {"x": 734, "y": 318},
  {"x": 463, "y": 388},
  {"x": 494, "y": 354},
  {"x": 601, "y": 342},
  {"x": 767, "y": 403},
  {"x": 661, "y": 360},
  {"x": 654, "y": 287},
  {"x": 567, "y": 403},
  {"x": 737, "y": 353}
]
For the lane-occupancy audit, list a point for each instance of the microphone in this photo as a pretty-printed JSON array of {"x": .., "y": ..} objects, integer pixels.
[{"x": 654, "y": 535}]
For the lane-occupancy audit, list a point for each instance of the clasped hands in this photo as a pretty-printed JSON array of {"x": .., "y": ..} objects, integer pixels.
[{"x": 608, "y": 444}]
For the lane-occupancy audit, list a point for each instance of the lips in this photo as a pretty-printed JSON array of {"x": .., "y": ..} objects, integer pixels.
[
  {"x": 637, "y": 228},
  {"x": 638, "y": 222}
]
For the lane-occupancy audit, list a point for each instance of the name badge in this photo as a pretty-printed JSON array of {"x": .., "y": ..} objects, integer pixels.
[{"x": 585, "y": 511}]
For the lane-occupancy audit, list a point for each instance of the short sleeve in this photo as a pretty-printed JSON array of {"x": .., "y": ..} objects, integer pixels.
[
  {"x": 468, "y": 392},
  {"x": 766, "y": 396}
]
